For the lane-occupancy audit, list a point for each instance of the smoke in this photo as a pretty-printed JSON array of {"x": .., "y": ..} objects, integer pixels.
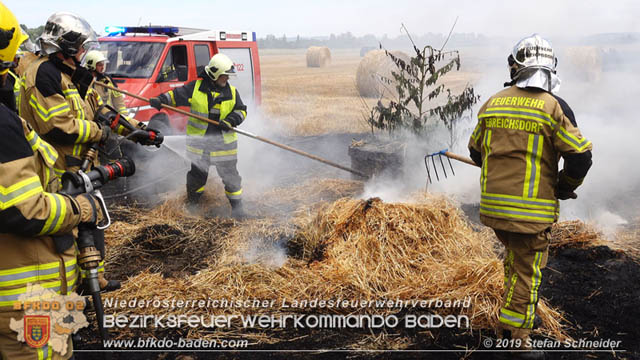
[
  {"x": 604, "y": 109},
  {"x": 606, "y": 114},
  {"x": 264, "y": 252}
]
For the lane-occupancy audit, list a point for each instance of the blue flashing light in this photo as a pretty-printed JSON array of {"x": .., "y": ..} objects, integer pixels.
[
  {"x": 161, "y": 30},
  {"x": 113, "y": 30},
  {"x": 254, "y": 36}
]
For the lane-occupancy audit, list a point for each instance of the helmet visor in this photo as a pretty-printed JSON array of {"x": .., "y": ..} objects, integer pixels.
[{"x": 231, "y": 71}]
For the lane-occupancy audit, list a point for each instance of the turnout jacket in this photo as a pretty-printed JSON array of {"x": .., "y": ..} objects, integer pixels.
[
  {"x": 520, "y": 136},
  {"x": 54, "y": 106},
  {"x": 220, "y": 104},
  {"x": 30, "y": 212},
  {"x": 110, "y": 97},
  {"x": 51, "y": 103},
  {"x": 116, "y": 101},
  {"x": 10, "y": 92}
]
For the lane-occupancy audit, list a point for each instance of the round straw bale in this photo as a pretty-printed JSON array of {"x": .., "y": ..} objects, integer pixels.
[
  {"x": 583, "y": 63},
  {"x": 365, "y": 49},
  {"x": 318, "y": 56},
  {"x": 374, "y": 76}
]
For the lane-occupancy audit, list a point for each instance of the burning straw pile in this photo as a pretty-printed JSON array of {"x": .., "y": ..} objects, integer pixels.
[{"x": 347, "y": 249}]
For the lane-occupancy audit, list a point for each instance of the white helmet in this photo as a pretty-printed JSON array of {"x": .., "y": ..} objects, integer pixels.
[
  {"x": 92, "y": 59},
  {"x": 532, "y": 63},
  {"x": 67, "y": 33},
  {"x": 220, "y": 64}
]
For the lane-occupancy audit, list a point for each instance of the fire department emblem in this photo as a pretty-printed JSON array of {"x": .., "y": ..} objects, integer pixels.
[{"x": 36, "y": 330}]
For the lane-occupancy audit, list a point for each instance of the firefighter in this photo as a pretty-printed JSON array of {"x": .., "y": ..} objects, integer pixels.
[
  {"x": 96, "y": 62},
  {"x": 207, "y": 144},
  {"x": 522, "y": 132},
  {"x": 36, "y": 244},
  {"x": 58, "y": 102}
]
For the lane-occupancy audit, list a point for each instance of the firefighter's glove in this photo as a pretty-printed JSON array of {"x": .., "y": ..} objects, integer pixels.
[
  {"x": 155, "y": 103},
  {"x": 234, "y": 119},
  {"x": 224, "y": 125},
  {"x": 149, "y": 137},
  {"x": 564, "y": 190},
  {"x": 90, "y": 209},
  {"x": 106, "y": 134}
]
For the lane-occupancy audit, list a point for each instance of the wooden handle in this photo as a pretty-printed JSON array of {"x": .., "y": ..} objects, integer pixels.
[
  {"x": 246, "y": 133},
  {"x": 464, "y": 159}
]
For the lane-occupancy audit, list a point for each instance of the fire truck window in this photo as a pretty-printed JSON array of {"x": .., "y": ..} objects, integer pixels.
[
  {"x": 174, "y": 67},
  {"x": 131, "y": 59},
  {"x": 202, "y": 57}
]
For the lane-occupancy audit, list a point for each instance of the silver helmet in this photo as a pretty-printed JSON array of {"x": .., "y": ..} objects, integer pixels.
[
  {"x": 67, "y": 33},
  {"x": 533, "y": 64}
]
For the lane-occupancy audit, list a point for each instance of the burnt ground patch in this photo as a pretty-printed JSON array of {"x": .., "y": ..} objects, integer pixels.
[
  {"x": 165, "y": 249},
  {"x": 598, "y": 290}
]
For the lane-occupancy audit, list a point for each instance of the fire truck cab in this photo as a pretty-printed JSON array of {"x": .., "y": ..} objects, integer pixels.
[{"x": 151, "y": 60}]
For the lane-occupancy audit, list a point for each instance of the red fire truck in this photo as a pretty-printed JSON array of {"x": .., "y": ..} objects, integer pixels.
[{"x": 150, "y": 60}]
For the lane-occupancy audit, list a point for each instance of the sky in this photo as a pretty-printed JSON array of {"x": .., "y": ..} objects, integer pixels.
[{"x": 377, "y": 17}]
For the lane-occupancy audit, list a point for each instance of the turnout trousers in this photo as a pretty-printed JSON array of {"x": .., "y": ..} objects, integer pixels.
[
  {"x": 525, "y": 256},
  {"x": 228, "y": 172}
]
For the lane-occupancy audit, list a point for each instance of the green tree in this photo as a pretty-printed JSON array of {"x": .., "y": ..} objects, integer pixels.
[{"x": 416, "y": 88}]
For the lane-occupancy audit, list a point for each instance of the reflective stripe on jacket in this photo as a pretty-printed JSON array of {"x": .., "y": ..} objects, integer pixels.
[
  {"x": 51, "y": 104},
  {"x": 16, "y": 89},
  {"x": 31, "y": 211}
]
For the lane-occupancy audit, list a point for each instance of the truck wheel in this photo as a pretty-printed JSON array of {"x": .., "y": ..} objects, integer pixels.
[{"x": 160, "y": 122}]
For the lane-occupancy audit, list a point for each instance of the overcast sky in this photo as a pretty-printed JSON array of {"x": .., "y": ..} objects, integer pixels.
[{"x": 378, "y": 17}]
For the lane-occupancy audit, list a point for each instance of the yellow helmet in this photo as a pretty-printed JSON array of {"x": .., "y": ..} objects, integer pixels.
[
  {"x": 220, "y": 64},
  {"x": 92, "y": 59},
  {"x": 10, "y": 38}
]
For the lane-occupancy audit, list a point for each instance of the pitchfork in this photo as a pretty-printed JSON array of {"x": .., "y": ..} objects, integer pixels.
[{"x": 448, "y": 155}]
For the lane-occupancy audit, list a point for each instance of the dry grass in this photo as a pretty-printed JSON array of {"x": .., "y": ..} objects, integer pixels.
[
  {"x": 576, "y": 234},
  {"x": 348, "y": 249}
]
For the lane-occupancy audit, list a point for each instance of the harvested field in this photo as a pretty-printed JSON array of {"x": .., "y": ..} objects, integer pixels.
[{"x": 306, "y": 101}]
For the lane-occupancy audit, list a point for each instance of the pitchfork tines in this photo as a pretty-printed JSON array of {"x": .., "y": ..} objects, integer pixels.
[{"x": 440, "y": 155}]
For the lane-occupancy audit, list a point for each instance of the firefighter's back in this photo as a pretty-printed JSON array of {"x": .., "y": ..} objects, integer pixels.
[{"x": 521, "y": 134}]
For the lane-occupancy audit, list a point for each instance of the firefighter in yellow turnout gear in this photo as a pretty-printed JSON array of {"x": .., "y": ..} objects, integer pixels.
[
  {"x": 207, "y": 144},
  {"x": 36, "y": 224},
  {"x": 522, "y": 132}
]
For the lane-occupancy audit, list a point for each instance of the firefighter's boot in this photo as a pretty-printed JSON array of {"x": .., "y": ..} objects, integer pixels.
[
  {"x": 521, "y": 343},
  {"x": 193, "y": 202},
  {"x": 237, "y": 210}
]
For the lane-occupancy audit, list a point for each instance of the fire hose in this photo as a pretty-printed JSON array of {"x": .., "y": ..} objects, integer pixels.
[
  {"x": 242, "y": 132},
  {"x": 89, "y": 256}
]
